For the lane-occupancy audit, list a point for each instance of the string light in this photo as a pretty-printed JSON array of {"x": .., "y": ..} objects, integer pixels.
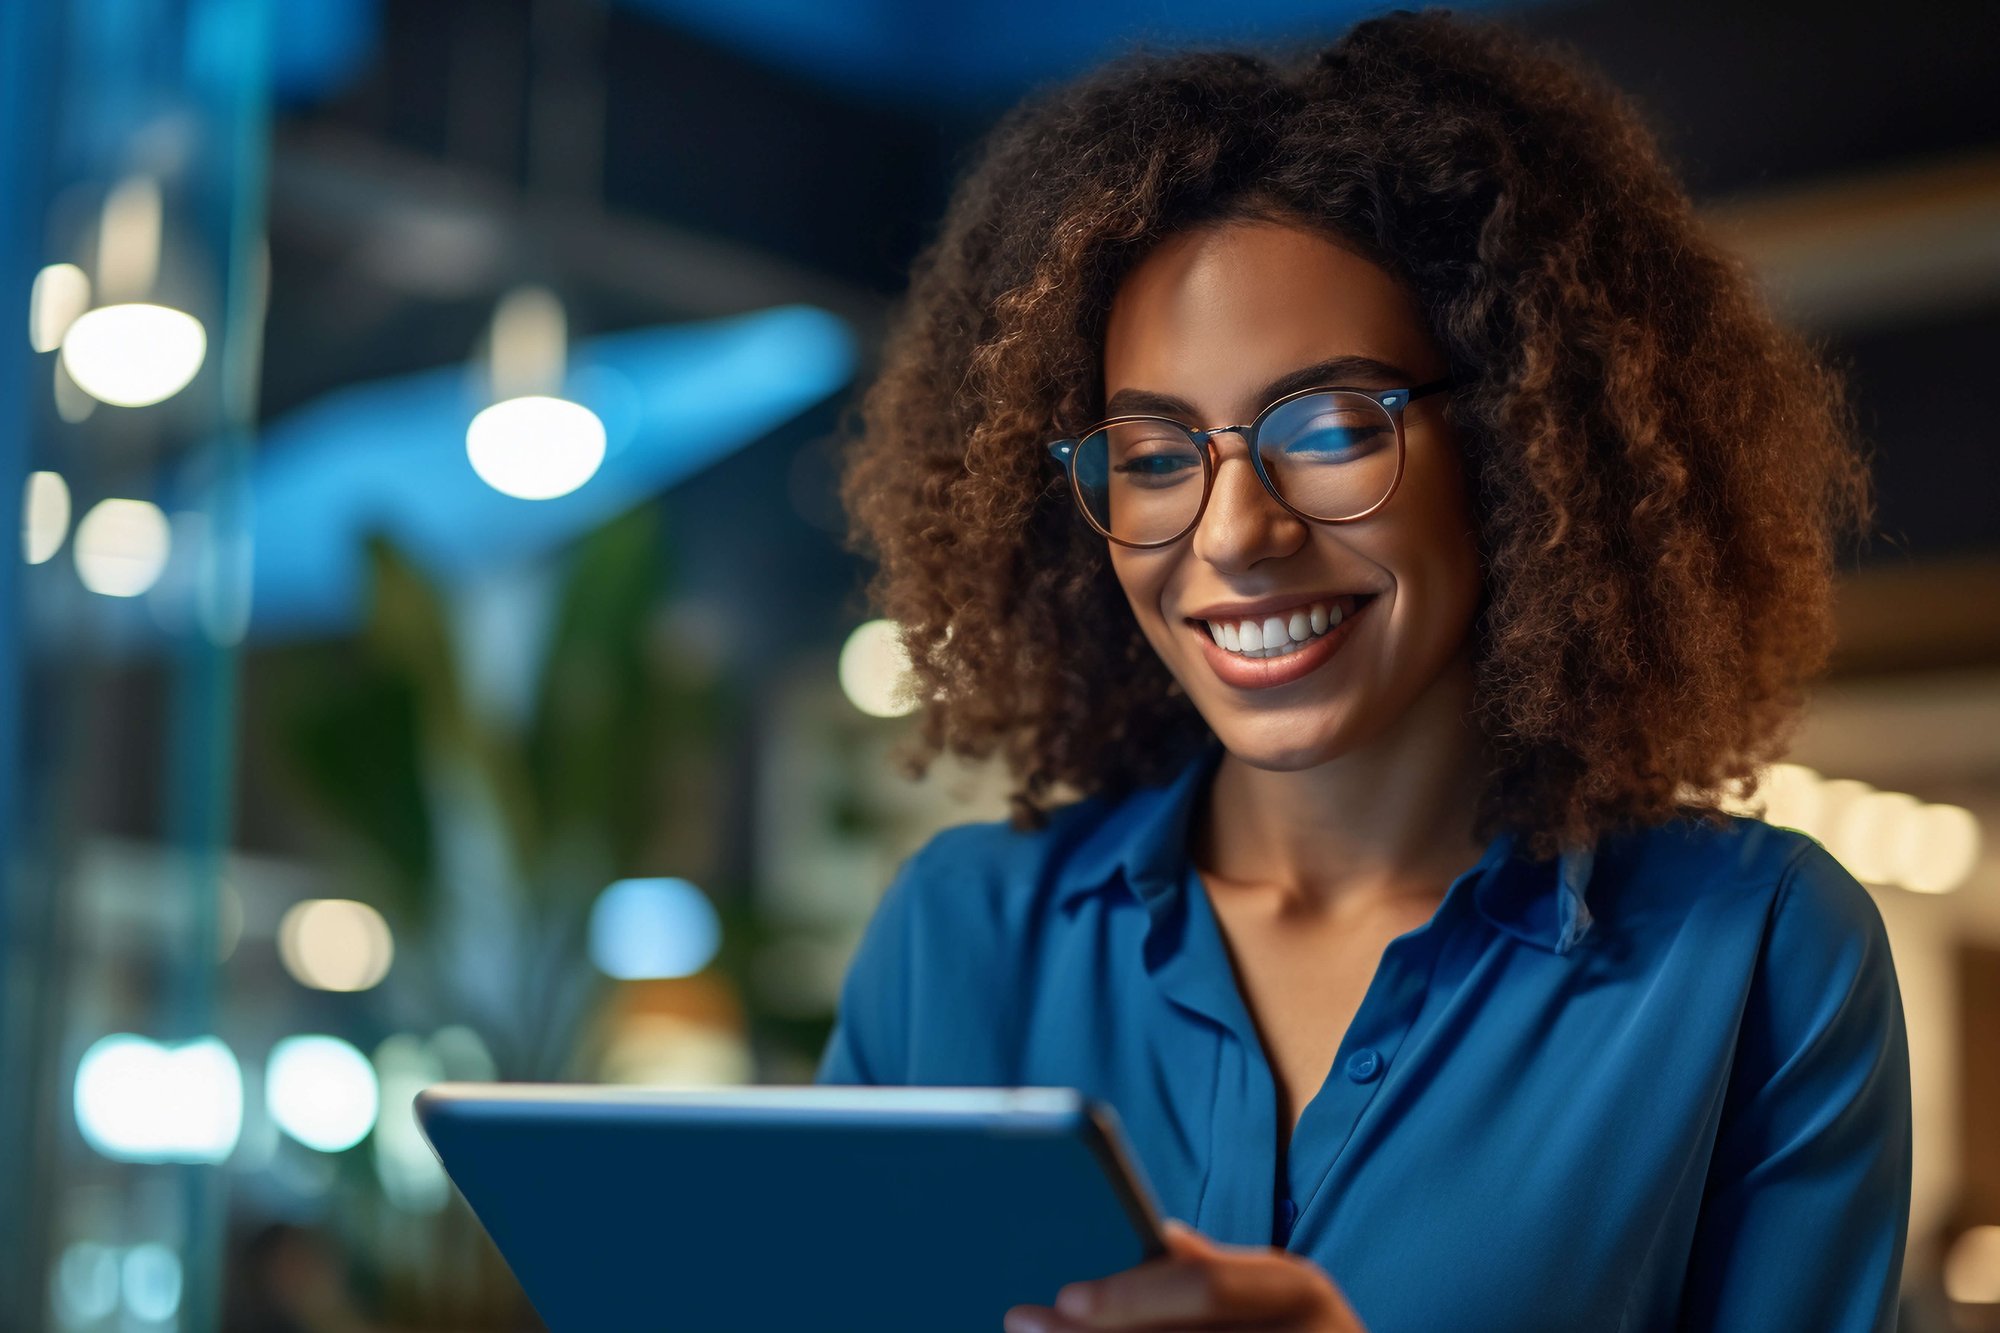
[{"x": 1882, "y": 837}]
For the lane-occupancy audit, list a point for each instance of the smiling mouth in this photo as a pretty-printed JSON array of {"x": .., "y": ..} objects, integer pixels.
[{"x": 1281, "y": 633}]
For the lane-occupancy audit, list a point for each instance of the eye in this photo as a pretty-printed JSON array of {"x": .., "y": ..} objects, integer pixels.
[
  {"x": 1153, "y": 463},
  {"x": 1156, "y": 465},
  {"x": 1333, "y": 440}
]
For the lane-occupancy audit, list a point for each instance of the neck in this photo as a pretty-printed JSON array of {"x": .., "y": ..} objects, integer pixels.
[{"x": 1390, "y": 817}]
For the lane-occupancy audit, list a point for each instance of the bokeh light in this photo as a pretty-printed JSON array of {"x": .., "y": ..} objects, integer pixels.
[
  {"x": 666, "y": 1050},
  {"x": 321, "y": 1091},
  {"x": 1790, "y": 795},
  {"x": 140, "y": 1101},
  {"x": 335, "y": 944},
  {"x": 152, "y": 1281},
  {"x": 72, "y": 403},
  {"x": 134, "y": 355},
  {"x": 1972, "y": 1267},
  {"x": 86, "y": 1283},
  {"x": 652, "y": 928},
  {"x": 1870, "y": 835},
  {"x": 874, "y": 670},
  {"x": 405, "y": 1064},
  {"x": 1938, "y": 850},
  {"x": 61, "y": 293},
  {"x": 44, "y": 516},
  {"x": 121, "y": 547},
  {"x": 535, "y": 448},
  {"x": 1881, "y": 837},
  {"x": 129, "y": 231},
  {"x": 463, "y": 1054},
  {"x": 528, "y": 345}
]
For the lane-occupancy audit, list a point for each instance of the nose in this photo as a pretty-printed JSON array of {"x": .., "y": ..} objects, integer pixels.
[{"x": 1243, "y": 523}]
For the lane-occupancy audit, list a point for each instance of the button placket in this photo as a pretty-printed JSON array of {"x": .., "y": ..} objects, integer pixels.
[
  {"x": 1288, "y": 1215},
  {"x": 1241, "y": 1192},
  {"x": 1388, "y": 1012}
]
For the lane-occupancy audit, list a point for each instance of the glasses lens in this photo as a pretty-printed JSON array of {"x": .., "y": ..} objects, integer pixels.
[
  {"x": 1140, "y": 481},
  {"x": 1330, "y": 455}
]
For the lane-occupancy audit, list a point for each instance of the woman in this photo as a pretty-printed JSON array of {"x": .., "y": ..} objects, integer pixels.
[{"x": 1459, "y": 541}]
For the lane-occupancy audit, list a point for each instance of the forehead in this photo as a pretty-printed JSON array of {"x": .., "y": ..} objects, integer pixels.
[{"x": 1214, "y": 313}]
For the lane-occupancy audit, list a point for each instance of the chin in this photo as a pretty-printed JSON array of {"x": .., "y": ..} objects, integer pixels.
[{"x": 1283, "y": 743}]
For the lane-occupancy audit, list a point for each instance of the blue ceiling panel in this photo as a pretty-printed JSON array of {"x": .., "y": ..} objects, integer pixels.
[
  {"x": 922, "y": 50},
  {"x": 390, "y": 457}
]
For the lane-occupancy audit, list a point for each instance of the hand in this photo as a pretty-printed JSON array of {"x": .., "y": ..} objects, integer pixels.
[{"x": 1199, "y": 1283}]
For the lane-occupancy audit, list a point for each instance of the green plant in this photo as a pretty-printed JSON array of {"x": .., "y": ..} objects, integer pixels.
[{"x": 485, "y": 832}]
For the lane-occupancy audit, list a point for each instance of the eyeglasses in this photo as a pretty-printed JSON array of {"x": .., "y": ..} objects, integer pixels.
[{"x": 1328, "y": 455}]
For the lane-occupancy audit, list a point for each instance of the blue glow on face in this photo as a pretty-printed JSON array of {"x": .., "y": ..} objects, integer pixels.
[
  {"x": 642, "y": 929},
  {"x": 390, "y": 457}
]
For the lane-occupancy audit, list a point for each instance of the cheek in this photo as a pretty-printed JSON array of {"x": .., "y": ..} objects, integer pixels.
[
  {"x": 1437, "y": 559},
  {"x": 1424, "y": 542},
  {"x": 1144, "y": 579}
]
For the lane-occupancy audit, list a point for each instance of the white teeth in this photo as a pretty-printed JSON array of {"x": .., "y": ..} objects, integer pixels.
[{"x": 1275, "y": 636}]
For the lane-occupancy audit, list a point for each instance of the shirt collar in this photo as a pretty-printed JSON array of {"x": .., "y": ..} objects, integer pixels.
[{"x": 1141, "y": 842}]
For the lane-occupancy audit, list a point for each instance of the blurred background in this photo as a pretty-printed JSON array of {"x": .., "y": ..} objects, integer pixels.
[{"x": 432, "y": 653}]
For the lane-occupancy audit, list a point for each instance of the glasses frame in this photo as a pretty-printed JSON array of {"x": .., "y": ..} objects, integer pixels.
[{"x": 1392, "y": 400}]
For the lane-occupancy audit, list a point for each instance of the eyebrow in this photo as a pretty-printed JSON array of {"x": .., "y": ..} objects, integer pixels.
[{"x": 1335, "y": 370}]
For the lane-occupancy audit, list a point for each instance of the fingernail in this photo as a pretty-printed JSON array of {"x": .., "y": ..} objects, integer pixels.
[
  {"x": 1023, "y": 1323},
  {"x": 1074, "y": 1300}
]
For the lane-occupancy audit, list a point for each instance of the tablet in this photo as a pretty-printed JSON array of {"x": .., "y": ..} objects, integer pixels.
[{"x": 793, "y": 1208}]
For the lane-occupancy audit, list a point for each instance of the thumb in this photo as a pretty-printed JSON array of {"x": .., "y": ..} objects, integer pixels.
[{"x": 1183, "y": 1241}]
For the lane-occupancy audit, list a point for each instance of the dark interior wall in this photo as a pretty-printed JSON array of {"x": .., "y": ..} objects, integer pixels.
[
  {"x": 1923, "y": 394},
  {"x": 1754, "y": 95}
]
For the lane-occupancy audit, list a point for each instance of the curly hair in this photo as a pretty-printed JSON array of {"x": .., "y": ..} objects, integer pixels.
[{"x": 1661, "y": 473}]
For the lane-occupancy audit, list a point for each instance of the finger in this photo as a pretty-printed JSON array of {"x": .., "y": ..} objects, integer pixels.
[
  {"x": 1184, "y": 1241},
  {"x": 1181, "y": 1240},
  {"x": 1043, "y": 1319},
  {"x": 1192, "y": 1286},
  {"x": 1034, "y": 1319}
]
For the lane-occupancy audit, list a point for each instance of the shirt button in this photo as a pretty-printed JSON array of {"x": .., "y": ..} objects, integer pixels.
[
  {"x": 1364, "y": 1064},
  {"x": 1288, "y": 1213}
]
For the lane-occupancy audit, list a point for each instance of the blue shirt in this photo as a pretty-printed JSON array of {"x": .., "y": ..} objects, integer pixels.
[{"x": 1661, "y": 1082}]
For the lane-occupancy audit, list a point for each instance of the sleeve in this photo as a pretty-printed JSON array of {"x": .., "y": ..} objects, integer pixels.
[
  {"x": 870, "y": 1037},
  {"x": 1805, "y": 1211}
]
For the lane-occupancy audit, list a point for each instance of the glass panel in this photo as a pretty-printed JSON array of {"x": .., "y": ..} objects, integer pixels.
[{"x": 130, "y": 254}]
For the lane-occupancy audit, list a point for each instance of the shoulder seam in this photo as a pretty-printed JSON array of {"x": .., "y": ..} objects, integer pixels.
[
  {"x": 1790, "y": 870},
  {"x": 1788, "y": 874}
]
